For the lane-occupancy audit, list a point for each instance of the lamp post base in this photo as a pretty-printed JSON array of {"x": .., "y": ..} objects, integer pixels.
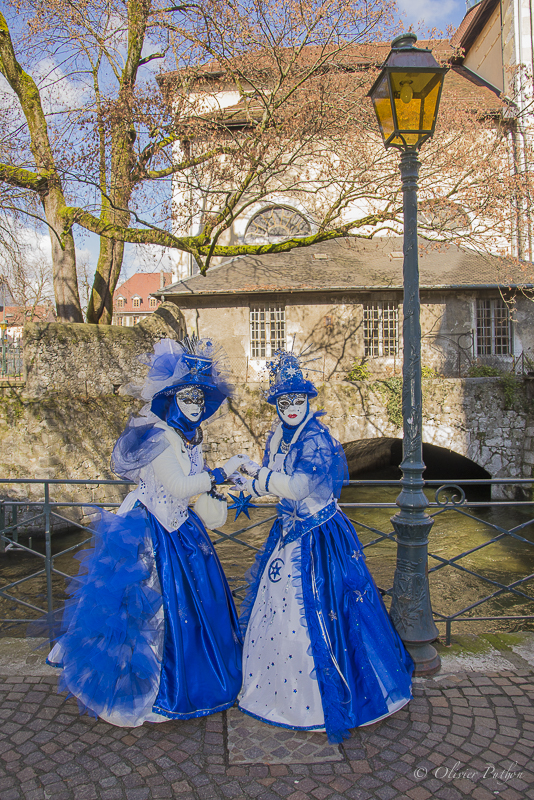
[{"x": 425, "y": 657}]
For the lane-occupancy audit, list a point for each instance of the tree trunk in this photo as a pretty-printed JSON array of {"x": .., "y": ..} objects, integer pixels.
[
  {"x": 100, "y": 308},
  {"x": 115, "y": 206},
  {"x": 68, "y": 304}
]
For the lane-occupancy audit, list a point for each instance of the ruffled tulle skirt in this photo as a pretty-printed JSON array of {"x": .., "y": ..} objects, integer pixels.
[
  {"x": 320, "y": 650},
  {"x": 150, "y": 632}
]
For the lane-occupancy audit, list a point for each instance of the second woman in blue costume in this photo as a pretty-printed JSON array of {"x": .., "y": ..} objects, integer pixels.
[
  {"x": 320, "y": 651},
  {"x": 151, "y": 632}
]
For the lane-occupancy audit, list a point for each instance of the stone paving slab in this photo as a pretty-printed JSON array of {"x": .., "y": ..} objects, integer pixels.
[
  {"x": 253, "y": 742},
  {"x": 468, "y": 735}
]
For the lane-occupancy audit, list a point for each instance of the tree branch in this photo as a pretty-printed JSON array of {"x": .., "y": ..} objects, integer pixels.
[{"x": 25, "y": 179}]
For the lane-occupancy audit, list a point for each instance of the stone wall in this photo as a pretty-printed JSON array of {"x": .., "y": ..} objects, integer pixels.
[
  {"x": 332, "y": 325},
  {"x": 486, "y": 420},
  {"x": 68, "y": 431},
  {"x": 63, "y": 422},
  {"x": 92, "y": 360}
]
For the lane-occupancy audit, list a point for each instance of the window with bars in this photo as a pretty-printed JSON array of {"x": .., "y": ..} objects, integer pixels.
[
  {"x": 381, "y": 329},
  {"x": 494, "y": 333},
  {"x": 267, "y": 331}
]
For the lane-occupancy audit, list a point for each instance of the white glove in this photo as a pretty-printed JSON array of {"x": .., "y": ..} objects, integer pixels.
[
  {"x": 234, "y": 463},
  {"x": 238, "y": 480},
  {"x": 251, "y": 468}
]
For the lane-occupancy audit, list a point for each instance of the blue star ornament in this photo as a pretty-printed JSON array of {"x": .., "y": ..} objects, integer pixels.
[{"x": 241, "y": 504}]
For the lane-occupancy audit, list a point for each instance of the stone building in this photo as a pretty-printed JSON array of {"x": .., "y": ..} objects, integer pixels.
[
  {"x": 343, "y": 299},
  {"x": 282, "y": 213},
  {"x": 496, "y": 47}
]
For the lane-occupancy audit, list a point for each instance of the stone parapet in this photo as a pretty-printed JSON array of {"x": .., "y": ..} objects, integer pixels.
[{"x": 92, "y": 360}]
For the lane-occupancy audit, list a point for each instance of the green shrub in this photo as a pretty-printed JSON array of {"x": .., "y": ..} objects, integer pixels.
[
  {"x": 483, "y": 371},
  {"x": 428, "y": 372},
  {"x": 359, "y": 372},
  {"x": 391, "y": 389}
]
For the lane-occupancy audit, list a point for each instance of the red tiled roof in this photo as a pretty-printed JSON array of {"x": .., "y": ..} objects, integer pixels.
[
  {"x": 460, "y": 86},
  {"x": 141, "y": 285},
  {"x": 16, "y": 316}
]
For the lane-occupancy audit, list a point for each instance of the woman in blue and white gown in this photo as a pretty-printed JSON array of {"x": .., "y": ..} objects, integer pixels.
[
  {"x": 320, "y": 651},
  {"x": 151, "y": 631}
]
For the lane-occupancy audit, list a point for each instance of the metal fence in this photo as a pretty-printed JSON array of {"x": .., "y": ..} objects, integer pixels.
[
  {"x": 11, "y": 358},
  {"x": 490, "y": 580}
]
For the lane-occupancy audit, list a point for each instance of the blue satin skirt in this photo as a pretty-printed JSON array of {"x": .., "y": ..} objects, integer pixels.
[
  {"x": 361, "y": 664},
  {"x": 151, "y": 626},
  {"x": 201, "y": 664}
]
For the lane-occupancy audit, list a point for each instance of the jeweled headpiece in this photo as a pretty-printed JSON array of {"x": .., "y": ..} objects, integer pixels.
[
  {"x": 286, "y": 376},
  {"x": 177, "y": 365}
]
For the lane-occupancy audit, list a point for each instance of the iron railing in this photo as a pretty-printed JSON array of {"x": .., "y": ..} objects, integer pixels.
[
  {"x": 22, "y": 522},
  {"x": 11, "y": 358}
]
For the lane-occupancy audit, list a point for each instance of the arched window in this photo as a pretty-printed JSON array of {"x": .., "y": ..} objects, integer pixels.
[
  {"x": 120, "y": 302},
  {"x": 276, "y": 223},
  {"x": 136, "y": 302},
  {"x": 152, "y": 302},
  {"x": 444, "y": 216}
]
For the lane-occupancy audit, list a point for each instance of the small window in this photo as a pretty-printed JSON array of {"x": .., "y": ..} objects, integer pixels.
[
  {"x": 152, "y": 303},
  {"x": 267, "y": 331},
  {"x": 381, "y": 329},
  {"x": 120, "y": 320},
  {"x": 494, "y": 336},
  {"x": 136, "y": 320},
  {"x": 120, "y": 302},
  {"x": 136, "y": 302}
]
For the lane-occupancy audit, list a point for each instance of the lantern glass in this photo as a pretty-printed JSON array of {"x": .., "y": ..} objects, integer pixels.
[
  {"x": 383, "y": 110},
  {"x": 406, "y": 97}
]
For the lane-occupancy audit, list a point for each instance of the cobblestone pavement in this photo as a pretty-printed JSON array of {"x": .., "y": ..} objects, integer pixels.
[{"x": 466, "y": 735}]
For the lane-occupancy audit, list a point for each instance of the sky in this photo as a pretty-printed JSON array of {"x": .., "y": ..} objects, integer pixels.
[{"x": 435, "y": 13}]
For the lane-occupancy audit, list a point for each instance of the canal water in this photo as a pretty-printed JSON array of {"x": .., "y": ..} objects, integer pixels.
[{"x": 455, "y": 530}]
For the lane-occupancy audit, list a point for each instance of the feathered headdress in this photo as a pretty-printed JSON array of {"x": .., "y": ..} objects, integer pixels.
[{"x": 176, "y": 365}]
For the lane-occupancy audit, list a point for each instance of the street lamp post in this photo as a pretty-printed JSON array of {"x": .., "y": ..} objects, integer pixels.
[{"x": 406, "y": 97}]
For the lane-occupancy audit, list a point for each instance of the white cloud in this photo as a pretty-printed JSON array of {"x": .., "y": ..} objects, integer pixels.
[
  {"x": 147, "y": 258},
  {"x": 58, "y": 91}
]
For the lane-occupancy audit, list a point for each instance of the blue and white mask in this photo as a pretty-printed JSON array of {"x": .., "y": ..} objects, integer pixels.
[
  {"x": 292, "y": 408},
  {"x": 191, "y": 402}
]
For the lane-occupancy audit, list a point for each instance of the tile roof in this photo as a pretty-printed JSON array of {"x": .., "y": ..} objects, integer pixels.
[
  {"x": 142, "y": 285},
  {"x": 472, "y": 24},
  {"x": 460, "y": 85},
  {"x": 344, "y": 264},
  {"x": 16, "y": 315}
]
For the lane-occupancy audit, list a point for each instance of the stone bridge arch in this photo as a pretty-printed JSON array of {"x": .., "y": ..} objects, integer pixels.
[
  {"x": 368, "y": 456},
  {"x": 484, "y": 420}
]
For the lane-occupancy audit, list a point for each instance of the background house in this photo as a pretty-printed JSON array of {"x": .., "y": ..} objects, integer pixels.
[
  {"x": 13, "y": 315},
  {"x": 133, "y": 300},
  {"x": 289, "y": 210},
  {"x": 343, "y": 299},
  {"x": 496, "y": 40}
]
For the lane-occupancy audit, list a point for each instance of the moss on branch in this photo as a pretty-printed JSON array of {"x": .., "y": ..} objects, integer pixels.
[
  {"x": 24, "y": 178},
  {"x": 201, "y": 246}
]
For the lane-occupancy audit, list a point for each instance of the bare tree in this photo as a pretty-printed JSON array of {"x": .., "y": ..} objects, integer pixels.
[{"x": 259, "y": 99}]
